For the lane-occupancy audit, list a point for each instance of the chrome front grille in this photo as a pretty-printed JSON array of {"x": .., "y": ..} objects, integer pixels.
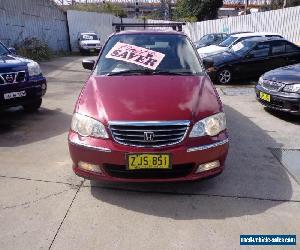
[
  {"x": 12, "y": 77},
  {"x": 149, "y": 134},
  {"x": 272, "y": 85}
]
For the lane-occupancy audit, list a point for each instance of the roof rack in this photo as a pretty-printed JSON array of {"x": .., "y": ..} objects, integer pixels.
[{"x": 121, "y": 26}]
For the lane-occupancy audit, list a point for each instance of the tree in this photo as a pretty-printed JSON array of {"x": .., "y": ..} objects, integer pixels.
[
  {"x": 114, "y": 9},
  {"x": 278, "y": 4},
  {"x": 197, "y": 9}
]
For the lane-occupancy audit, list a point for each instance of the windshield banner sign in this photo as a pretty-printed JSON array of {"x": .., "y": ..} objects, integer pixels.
[{"x": 137, "y": 55}]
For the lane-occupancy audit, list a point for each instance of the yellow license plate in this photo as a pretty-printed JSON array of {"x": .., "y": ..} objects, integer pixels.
[
  {"x": 264, "y": 96},
  {"x": 148, "y": 161}
]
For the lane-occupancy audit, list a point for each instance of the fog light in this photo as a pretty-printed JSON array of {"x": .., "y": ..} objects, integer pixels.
[
  {"x": 43, "y": 86},
  {"x": 89, "y": 167},
  {"x": 208, "y": 166}
]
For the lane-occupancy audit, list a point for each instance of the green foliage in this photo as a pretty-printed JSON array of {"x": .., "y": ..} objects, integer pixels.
[
  {"x": 110, "y": 8},
  {"x": 278, "y": 4},
  {"x": 34, "y": 49},
  {"x": 197, "y": 9}
]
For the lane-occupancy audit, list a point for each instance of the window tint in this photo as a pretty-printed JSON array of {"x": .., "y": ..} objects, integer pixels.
[
  {"x": 261, "y": 50},
  {"x": 291, "y": 48},
  {"x": 278, "y": 47}
]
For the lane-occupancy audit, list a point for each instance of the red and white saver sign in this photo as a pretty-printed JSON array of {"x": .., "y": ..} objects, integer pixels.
[{"x": 137, "y": 55}]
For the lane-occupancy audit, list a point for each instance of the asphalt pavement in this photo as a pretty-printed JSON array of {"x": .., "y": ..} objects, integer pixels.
[{"x": 43, "y": 205}]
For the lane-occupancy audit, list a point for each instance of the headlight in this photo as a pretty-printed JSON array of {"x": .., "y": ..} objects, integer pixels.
[
  {"x": 292, "y": 88},
  {"x": 34, "y": 69},
  {"x": 87, "y": 126},
  {"x": 260, "y": 81},
  {"x": 211, "y": 126}
]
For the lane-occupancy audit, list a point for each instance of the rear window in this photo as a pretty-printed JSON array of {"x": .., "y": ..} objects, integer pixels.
[
  {"x": 282, "y": 47},
  {"x": 176, "y": 54}
]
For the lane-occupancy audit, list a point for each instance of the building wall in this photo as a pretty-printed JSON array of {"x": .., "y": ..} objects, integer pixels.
[{"x": 20, "y": 19}]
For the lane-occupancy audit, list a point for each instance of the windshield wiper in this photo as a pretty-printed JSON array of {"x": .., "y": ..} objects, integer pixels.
[
  {"x": 180, "y": 73},
  {"x": 131, "y": 72},
  {"x": 149, "y": 72}
]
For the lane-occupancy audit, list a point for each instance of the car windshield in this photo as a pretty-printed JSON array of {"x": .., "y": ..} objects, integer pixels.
[
  {"x": 242, "y": 47},
  {"x": 3, "y": 50},
  {"x": 228, "y": 41},
  {"x": 88, "y": 37},
  {"x": 206, "y": 38},
  {"x": 148, "y": 54}
]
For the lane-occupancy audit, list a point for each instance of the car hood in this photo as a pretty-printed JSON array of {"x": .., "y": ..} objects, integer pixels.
[
  {"x": 211, "y": 49},
  {"x": 13, "y": 62},
  {"x": 148, "y": 98},
  {"x": 288, "y": 74},
  {"x": 221, "y": 58}
]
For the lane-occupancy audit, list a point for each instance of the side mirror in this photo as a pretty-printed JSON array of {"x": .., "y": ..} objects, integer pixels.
[
  {"x": 208, "y": 63},
  {"x": 88, "y": 64},
  {"x": 12, "y": 51}
]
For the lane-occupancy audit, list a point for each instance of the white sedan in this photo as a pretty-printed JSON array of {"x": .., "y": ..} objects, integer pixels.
[{"x": 230, "y": 41}]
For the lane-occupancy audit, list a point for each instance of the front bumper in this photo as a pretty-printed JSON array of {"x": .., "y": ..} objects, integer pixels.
[
  {"x": 90, "y": 49},
  {"x": 32, "y": 87},
  {"x": 285, "y": 102},
  {"x": 111, "y": 157}
]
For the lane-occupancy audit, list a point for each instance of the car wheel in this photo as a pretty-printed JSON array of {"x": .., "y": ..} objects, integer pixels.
[
  {"x": 224, "y": 76},
  {"x": 33, "y": 106}
]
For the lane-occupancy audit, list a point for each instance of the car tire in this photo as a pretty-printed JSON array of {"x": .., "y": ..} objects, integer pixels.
[
  {"x": 33, "y": 106},
  {"x": 224, "y": 76}
]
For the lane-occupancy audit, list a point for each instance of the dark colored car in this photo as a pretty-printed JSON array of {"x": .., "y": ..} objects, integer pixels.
[
  {"x": 21, "y": 81},
  {"x": 148, "y": 112},
  {"x": 251, "y": 58},
  {"x": 210, "y": 39},
  {"x": 279, "y": 89}
]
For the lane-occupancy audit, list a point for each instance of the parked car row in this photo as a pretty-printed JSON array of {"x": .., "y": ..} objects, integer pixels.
[
  {"x": 250, "y": 55},
  {"x": 232, "y": 40},
  {"x": 251, "y": 58}
]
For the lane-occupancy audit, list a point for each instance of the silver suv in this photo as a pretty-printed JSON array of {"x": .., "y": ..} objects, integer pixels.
[{"x": 88, "y": 43}]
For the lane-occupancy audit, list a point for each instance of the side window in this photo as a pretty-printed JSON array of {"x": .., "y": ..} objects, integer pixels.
[
  {"x": 291, "y": 48},
  {"x": 261, "y": 50},
  {"x": 278, "y": 47}
]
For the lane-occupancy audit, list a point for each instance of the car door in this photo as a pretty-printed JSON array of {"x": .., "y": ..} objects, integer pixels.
[
  {"x": 256, "y": 61},
  {"x": 278, "y": 54},
  {"x": 292, "y": 53}
]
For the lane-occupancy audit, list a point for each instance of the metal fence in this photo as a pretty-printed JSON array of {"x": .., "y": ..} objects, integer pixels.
[
  {"x": 20, "y": 19},
  {"x": 285, "y": 22}
]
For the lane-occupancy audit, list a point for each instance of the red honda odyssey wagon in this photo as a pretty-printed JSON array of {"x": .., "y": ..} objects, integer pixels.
[{"x": 148, "y": 113}]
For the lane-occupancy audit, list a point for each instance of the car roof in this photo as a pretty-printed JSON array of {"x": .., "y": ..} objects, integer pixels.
[
  {"x": 150, "y": 31},
  {"x": 265, "y": 39},
  {"x": 255, "y": 34},
  {"x": 88, "y": 33}
]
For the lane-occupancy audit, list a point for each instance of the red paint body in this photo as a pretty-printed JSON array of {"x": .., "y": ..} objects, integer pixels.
[{"x": 147, "y": 98}]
